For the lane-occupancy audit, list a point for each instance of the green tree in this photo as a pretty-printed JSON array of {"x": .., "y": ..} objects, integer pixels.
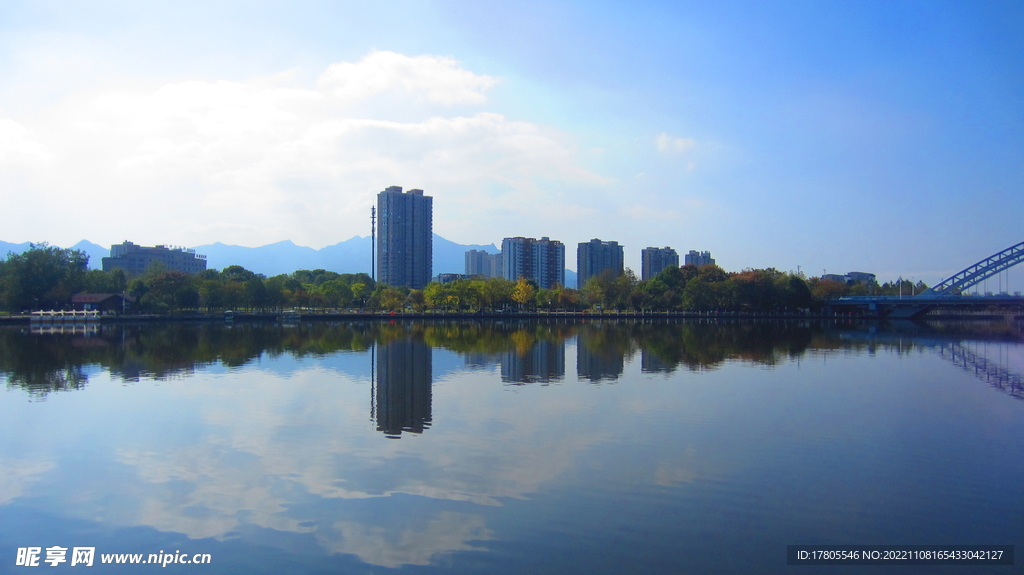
[
  {"x": 824, "y": 290},
  {"x": 276, "y": 291},
  {"x": 359, "y": 278},
  {"x": 359, "y": 291},
  {"x": 568, "y": 298},
  {"x": 416, "y": 300},
  {"x": 595, "y": 291},
  {"x": 434, "y": 295},
  {"x": 546, "y": 298},
  {"x": 98, "y": 281},
  {"x": 233, "y": 293},
  {"x": 138, "y": 288},
  {"x": 699, "y": 295},
  {"x": 237, "y": 274},
  {"x": 620, "y": 288},
  {"x": 797, "y": 294},
  {"x": 256, "y": 292},
  {"x": 42, "y": 277},
  {"x": 211, "y": 293},
  {"x": 171, "y": 291},
  {"x": 478, "y": 290},
  {"x": 391, "y": 298},
  {"x": 336, "y": 293},
  {"x": 497, "y": 293}
]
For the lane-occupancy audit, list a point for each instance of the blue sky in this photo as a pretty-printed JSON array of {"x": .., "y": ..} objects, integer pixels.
[{"x": 870, "y": 136}]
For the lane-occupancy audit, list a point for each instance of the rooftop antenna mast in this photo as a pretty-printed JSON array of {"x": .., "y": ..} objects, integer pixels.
[{"x": 373, "y": 242}]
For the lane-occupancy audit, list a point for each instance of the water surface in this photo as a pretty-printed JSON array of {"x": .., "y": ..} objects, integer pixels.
[{"x": 509, "y": 447}]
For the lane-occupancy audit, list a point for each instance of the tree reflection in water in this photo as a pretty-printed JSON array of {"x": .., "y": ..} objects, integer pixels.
[{"x": 528, "y": 351}]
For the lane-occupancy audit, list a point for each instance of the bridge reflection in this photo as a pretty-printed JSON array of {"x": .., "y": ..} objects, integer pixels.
[
  {"x": 984, "y": 368},
  {"x": 895, "y": 307}
]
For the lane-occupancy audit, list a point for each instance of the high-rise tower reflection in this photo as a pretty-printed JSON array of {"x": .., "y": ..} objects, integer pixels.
[
  {"x": 543, "y": 362},
  {"x": 601, "y": 351},
  {"x": 403, "y": 388},
  {"x": 651, "y": 362}
]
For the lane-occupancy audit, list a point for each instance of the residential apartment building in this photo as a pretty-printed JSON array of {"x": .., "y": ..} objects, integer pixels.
[
  {"x": 447, "y": 278},
  {"x": 134, "y": 259},
  {"x": 851, "y": 278},
  {"x": 481, "y": 263},
  {"x": 698, "y": 259},
  {"x": 542, "y": 261},
  {"x": 405, "y": 237},
  {"x": 657, "y": 259},
  {"x": 594, "y": 257},
  {"x": 860, "y": 278}
]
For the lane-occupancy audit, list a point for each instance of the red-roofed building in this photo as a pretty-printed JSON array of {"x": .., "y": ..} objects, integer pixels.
[{"x": 102, "y": 302}]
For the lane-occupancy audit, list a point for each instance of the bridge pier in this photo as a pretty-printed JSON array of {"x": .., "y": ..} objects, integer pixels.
[{"x": 909, "y": 311}]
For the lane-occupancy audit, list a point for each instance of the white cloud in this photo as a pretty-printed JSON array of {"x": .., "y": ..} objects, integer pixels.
[
  {"x": 672, "y": 145},
  {"x": 261, "y": 161},
  {"x": 18, "y": 147},
  {"x": 446, "y": 533},
  {"x": 18, "y": 476},
  {"x": 435, "y": 78},
  {"x": 239, "y": 472}
]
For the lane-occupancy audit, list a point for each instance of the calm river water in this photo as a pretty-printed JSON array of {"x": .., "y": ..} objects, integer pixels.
[{"x": 508, "y": 447}]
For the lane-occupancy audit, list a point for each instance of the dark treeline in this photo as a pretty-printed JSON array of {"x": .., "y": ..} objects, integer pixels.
[
  {"x": 46, "y": 277},
  {"x": 46, "y": 362}
]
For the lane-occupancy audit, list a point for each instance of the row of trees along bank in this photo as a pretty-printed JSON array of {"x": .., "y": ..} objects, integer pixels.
[{"x": 46, "y": 277}]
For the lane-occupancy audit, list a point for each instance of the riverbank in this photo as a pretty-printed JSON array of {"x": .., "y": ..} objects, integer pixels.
[{"x": 24, "y": 319}]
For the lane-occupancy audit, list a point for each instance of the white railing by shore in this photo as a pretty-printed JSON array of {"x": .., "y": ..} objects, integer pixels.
[{"x": 61, "y": 316}]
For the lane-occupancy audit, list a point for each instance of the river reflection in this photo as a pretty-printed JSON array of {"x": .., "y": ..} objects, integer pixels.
[
  {"x": 52, "y": 359},
  {"x": 403, "y": 387},
  {"x": 671, "y": 445}
]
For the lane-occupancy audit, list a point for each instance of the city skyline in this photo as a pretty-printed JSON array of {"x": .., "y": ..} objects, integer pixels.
[{"x": 774, "y": 135}]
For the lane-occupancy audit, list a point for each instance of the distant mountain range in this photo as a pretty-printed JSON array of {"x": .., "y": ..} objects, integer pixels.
[
  {"x": 350, "y": 256},
  {"x": 95, "y": 252}
]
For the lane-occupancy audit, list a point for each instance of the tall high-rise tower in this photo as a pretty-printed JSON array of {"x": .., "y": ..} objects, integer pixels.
[
  {"x": 594, "y": 257},
  {"x": 540, "y": 260},
  {"x": 698, "y": 259},
  {"x": 656, "y": 259},
  {"x": 481, "y": 263},
  {"x": 406, "y": 236}
]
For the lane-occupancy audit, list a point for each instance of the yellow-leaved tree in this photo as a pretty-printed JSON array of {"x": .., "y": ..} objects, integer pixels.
[{"x": 523, "y": 292}]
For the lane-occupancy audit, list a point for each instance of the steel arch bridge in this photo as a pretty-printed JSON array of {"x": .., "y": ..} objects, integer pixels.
[
  {"x": 978, "y": 272},
  {"x": 946, "y": 294}
]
